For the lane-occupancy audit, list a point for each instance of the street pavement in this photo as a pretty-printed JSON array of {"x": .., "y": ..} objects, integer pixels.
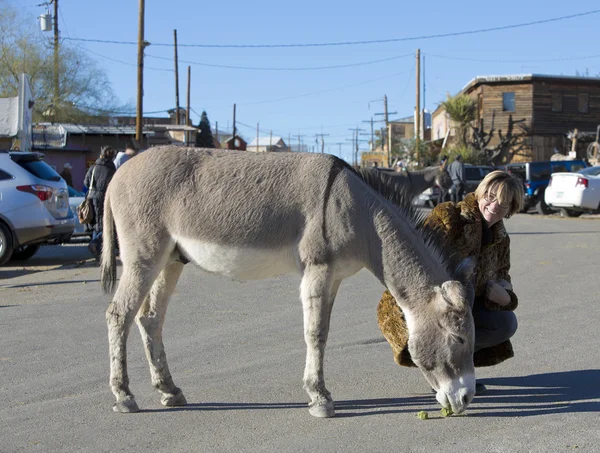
[{"x": 237, "y": 351}]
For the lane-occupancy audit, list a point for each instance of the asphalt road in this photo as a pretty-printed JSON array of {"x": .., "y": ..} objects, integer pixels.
[{"x": 236, "y": 350}]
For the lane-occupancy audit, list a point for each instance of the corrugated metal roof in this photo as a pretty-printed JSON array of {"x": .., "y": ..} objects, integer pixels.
[{"x": 94, "y": 129}]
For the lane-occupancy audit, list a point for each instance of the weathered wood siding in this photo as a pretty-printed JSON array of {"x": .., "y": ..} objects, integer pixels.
[
  {"x": 550, "y": 122},
  {"x": 488, "y": 99}
]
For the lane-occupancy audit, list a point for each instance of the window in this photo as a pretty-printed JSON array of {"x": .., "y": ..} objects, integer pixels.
[
  {"x": 557, "y": 102},
  {"x": 557, "y": 168},
  {"x": 5, "y": 176},
  {"x": 508, "y": 102},
  {"x": 583, "y": 103}
]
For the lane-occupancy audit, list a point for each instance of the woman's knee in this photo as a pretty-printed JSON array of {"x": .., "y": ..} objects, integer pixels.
[{"x": 509, "y": 325}]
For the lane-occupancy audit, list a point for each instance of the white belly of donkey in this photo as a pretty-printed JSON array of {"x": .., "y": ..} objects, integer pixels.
[{"x": 239, "y": 263}]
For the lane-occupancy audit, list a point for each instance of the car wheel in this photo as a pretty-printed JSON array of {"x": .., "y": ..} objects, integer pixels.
[
  {"x": 25, "y": 252},
  {"x": 569, "y": 213},
  {"x": 541, "y": 207},
  {"x": 6, "y": 244}
]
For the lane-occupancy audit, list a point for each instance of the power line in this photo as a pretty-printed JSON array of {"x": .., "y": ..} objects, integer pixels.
[
  {"x": 529, "y": 60},
  {"x": 352, "y": 43},
  {"x": 313, "y": 68}
]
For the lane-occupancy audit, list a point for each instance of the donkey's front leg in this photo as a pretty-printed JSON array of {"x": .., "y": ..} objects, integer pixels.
[
  {"x": 317, "y": 292},
  {"x": 150, "y": 319}
]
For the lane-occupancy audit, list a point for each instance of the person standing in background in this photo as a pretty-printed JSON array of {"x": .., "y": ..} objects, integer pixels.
[
  {"x": 66, "y": 174},
  {"x": 97, "y": 179},
  {"x": 123, "y": 156},
  {"x": 457, "y": 173}
]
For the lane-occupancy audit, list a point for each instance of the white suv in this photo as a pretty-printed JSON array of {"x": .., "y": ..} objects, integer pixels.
[{"x": 34, "y": 205}]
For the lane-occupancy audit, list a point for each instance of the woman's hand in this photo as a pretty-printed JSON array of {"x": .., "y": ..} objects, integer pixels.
[{"x": 496, "y": 293}]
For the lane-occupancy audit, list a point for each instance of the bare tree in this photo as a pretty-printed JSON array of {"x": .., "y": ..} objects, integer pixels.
[{"x": 85, "y": 91}]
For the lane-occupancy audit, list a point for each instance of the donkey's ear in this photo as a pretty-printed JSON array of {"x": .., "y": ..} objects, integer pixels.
[
  {"x": 465, "y": 270},
  {"x": 453, "y": 293}
]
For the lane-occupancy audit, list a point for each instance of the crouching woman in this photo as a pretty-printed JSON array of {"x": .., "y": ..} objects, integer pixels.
[{"x": 473, "y": 228}]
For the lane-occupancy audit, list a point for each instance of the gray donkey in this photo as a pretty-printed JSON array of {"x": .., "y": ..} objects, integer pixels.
[{"x": 252, "y": 216}]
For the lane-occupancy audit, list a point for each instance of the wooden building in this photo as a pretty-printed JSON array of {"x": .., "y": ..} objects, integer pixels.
[{"x": 546, "y": 107}]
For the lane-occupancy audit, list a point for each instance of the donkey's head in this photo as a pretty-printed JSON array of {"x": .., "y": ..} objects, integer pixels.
[
  {"x": 443, "y": 179},
  {"x": 441, "y": 343}
]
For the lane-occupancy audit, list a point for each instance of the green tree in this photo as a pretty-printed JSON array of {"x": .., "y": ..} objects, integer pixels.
[
  {"x": 85, "y": 92},
  {"x": 204, "y": 138},
  {"x": 462, "y": 110}
]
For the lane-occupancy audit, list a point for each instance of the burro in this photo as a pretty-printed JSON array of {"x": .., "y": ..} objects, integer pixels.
[{"x": 251, "y": 216}]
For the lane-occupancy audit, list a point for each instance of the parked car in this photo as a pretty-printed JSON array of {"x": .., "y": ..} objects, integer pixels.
[
  {"x": 34, "y": 205},
  {"x": 75, "y": 199},
  {"x": 574, "y": 193},
  {"x": 536, "y": 176},
  {"x": 474, "y": 174}
]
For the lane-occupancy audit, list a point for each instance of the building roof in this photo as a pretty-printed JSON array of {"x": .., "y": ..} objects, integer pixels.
[
  {"x": 523, "y": 78},
  {"x": 267, "y": 141},
  {"x": 92, "y": 129}
]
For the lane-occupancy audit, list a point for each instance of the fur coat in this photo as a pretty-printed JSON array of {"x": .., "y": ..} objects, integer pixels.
[{"x": 461, "y": 229}]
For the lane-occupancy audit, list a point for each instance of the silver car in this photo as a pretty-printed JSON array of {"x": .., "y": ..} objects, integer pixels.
[{"x": 34, "y": 205}]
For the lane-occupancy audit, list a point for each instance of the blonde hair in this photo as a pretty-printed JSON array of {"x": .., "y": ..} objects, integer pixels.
[{"x": 508, "y": 189}]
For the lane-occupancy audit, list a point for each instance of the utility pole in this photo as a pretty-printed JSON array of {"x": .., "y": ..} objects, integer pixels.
[
  {"x": 233, "y": 136},
  {"x": 176, "y": 79},
  {"x": 418, "y": 123},
  {"x": 217, "y": 130},
  {"x": 55, "y": 101},
  {"x": 140, "y": 75},
  {"x": 257, "y": 137},
  {"x": 187, "y": 113},
  {"x": 387, "y": 137},
  {"x": 299, "y": 137},
  {"x": 355, "y": 132},
  {"x": 317, "y": 136},
  {"x": 270, "y": 140},
  {"x": 372, "y": 133}
]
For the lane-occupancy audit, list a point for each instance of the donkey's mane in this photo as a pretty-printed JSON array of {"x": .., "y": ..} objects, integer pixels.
[{"x": 395, "y": 191}]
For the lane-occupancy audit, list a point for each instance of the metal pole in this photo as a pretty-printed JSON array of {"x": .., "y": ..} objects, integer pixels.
[
  {"x": 187, "y": 113},
  {"x": 233, "y": 136},
  {"x": 176, "y": 79},
  {"x": 55, "y": 101},
  {"x": 140, "y": 75},
  {"x": 418, "y": 125}
]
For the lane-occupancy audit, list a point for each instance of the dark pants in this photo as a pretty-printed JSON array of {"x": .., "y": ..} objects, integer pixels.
[
  {"x": 95, "y": 245},
  {"x": 442, "y": 195},
  {"x": 458, "y": 191},
  {"x": 493, "y": 327}
]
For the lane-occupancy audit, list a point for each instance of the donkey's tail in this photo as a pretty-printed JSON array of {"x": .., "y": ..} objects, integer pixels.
[{"x": 108, "y": 266}]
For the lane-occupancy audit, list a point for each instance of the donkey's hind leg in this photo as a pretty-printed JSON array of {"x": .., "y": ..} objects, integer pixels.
[
  {"x": 317, "y": 292},
  {"x": 135, "y": 283},
  {"x": 150, "y": 321}
]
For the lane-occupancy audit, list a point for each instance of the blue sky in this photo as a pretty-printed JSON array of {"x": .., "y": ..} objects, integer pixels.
[{"x": 323, "y": 101}]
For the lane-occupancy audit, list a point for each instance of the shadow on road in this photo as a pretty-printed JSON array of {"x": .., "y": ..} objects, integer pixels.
[
  {"x": 548, "y": 393},
  {"x": 538, "y": 394}
]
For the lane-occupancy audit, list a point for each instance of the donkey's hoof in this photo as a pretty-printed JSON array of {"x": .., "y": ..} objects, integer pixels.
[
  {"x": 173, "y": 400},
  {"x": 126, "y": 406},
  {"x": 325, "y": 410}
]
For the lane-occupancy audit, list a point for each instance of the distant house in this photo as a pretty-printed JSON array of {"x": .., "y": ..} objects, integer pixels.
[
  {"x": 547, "y": 106},
  {"x": 268, "y": 144},
  {"x": 235, "y": 143}
]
